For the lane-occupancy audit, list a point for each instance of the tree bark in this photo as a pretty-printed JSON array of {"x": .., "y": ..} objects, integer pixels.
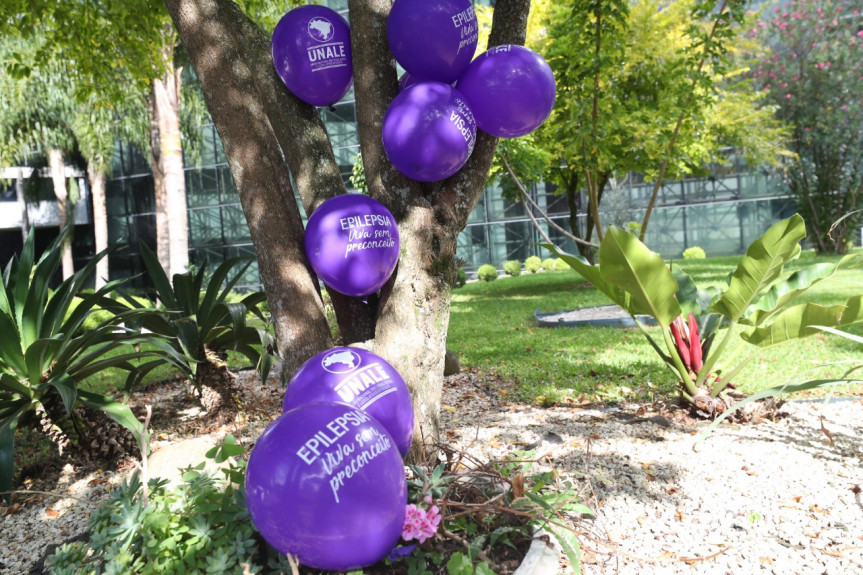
[
  {"x": 22, "y": 204},
  {"x": 172, "y": 220},
  {"x": 253, "y": 113},
  {"x": 61, "y": 192},
  {"x": 96, "y": 178}
]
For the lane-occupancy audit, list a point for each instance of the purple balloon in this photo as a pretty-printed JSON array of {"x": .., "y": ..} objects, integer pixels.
[
  {"x": 326, "y": 482},
  {"x": 312, "y": 54},
  {"x": 352, "y": 242},
  {"x": 510, "y": 89},
  {"x": 429, "y": 131},
  {"x": 362, "y": 380},
  {"x": 433, "y": 40}
]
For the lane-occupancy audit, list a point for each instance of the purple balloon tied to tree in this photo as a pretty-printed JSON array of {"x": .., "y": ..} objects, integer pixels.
[
  {"x": 352, "y": 242},
  {"x": 510, "y": 89},
  {"x": 362, "y": 380},
  {"x": 325, "y": 482},
  {"x": 434, "y": 40},
  {"x": 311, "y": 49},
  {"x": 429, "y": 131}
]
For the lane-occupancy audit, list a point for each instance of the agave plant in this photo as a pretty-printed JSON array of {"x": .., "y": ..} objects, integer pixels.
[
  {"x": 45, "y": 354},
  {"x": 202, "y": 325},
  {"x": 697, "y": 326}
]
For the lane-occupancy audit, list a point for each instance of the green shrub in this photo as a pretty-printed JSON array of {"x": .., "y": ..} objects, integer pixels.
[
  {"x": 201, "y": 526},
  {"x": 486, "y": 273},
  {"x": 548, "y": 264},
  {"x": 694, "y": 253},
  {"x": 559, "y": 264},
  {"x": 461, "y": 277},
  {"x": 512, "y": 268},
  {"x": 532, "y": 264}
]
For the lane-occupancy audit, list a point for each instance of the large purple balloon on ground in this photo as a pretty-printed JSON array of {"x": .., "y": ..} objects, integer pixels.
[
  {"x": 510, "y": 89},
  {"x": 352, "y": 242},
  {"x": 429, "y": 131},
  {"x": 435, "y": 40},
  {"x": 312, "y": 54},
  {"x": 326, "y": 482},
  {"x": 361, "y": 379}
]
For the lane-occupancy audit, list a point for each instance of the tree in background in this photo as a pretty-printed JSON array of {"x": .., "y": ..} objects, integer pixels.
[
  {"x": 35, "y": 114},
  {"x": 121, "y": 47},
  {"x": 642, "y": 88},
  {"x": 813, "y": 74}
]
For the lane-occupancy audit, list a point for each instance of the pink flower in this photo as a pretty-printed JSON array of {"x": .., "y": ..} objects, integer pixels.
[
  {"x": 419, "y": 523},
  {"x": 788, "y": 96},
  {"x": 783, "y": 26},
  {"x": 844, "y": 108},
  {"x": 860, "y": 34}
]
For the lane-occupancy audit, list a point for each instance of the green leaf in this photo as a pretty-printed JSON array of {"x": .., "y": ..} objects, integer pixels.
[
  {"x": 37, "y": 296},
  {"x": 185, "y": 294},
  {"x": 68, "y": 389},
  {"x": 592, "y": 274},
  {"x": 10, "y": 345},
  {"x": 10, "y": 383},
  {"x": 214, "y": 296},
  {"x": 569, "y": 542},
  {"x": 22, "y": 279},
  {"x": 628, "y": 264},
  {"x": 761, "y": 266},
  {"x": 459, "y": 564},
  {"x": 117, "y": 411},
  {"x": 783, "y": 293},
  {"x": 40, "y": 355},
  {"x": 794, "y": 323},
  {"x": 159, "y": 277}
]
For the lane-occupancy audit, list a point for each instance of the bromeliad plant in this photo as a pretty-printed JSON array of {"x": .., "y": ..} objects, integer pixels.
[
  {"x": 45, "y": 354},
  {"x": 202, "y": 325},
  {"x": 698, "y": 326}
]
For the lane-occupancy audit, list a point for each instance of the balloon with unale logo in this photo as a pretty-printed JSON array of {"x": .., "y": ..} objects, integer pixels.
[
  {"x": 352, "y": 243},
  {"x": 361, "y": 379},
  {"x": 433, "y": 39},
  {"x": 326, "y": 483},
  {"x": 311, "y": 48},
  {"x": 429, "y": 131},
  {"x": 510, "y": 89}
]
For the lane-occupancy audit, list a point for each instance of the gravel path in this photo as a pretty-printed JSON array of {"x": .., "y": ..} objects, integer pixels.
[{"x": 777, "y": 497}]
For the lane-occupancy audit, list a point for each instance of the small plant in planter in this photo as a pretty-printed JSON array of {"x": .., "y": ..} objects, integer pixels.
[
  {"x": 548, "y": 264},
  {"x": 697, "y": 326},
  {"x": 486, "y": 273},
  {"x": 512, "y": 268},
  {"x": 202, "y": 326},
  {"x": 533, "y": 264},
  {"x": 694, "y": 253}
]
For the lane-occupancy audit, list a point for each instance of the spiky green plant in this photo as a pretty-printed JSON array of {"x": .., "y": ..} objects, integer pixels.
[
  {"x": 201, "y": 325},
  {"x": 45, "y": 354}
]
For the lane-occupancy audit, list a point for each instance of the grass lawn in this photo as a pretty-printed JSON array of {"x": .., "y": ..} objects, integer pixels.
[{"x": 492, "y": 327}]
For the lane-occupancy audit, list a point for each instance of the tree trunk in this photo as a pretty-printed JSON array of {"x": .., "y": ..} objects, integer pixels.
[
  {"x": 58, "y": 176},
  {"x": 100, "y": 220},
  {"x": 215, "y": 382},
  {"x": 172, "y": 220},
  {"x": 259, "y": 120},
  {"x": 22, "y": 204}
]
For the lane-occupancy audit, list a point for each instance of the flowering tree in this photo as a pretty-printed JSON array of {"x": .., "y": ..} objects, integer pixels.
[{"x": 814, "y": 74}]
